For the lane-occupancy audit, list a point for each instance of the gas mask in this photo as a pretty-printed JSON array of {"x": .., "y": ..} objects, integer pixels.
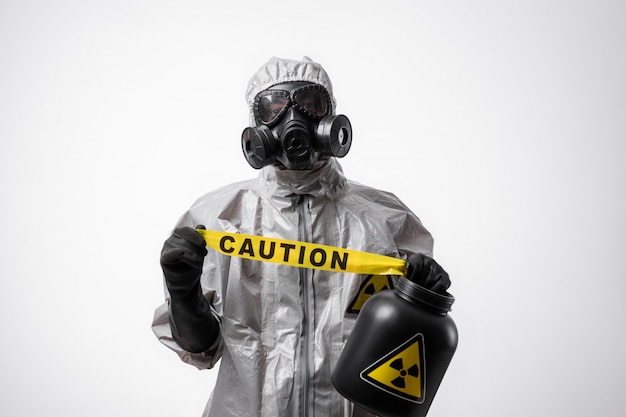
[{"x": 295, "y": 127}]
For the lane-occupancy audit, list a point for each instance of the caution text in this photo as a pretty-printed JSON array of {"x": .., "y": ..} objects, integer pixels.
[{"x": 291, "y": 253}]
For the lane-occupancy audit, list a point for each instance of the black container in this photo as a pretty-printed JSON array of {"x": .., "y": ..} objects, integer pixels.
[{"x": 398, "y": 351}]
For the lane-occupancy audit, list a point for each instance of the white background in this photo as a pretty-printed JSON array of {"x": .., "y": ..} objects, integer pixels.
[{"x": 502, "y": 124}]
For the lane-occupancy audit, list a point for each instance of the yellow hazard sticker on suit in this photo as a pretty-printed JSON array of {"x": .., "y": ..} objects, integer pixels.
[
  {"x": 302, "y": 254},
  {"x": 401, "y": 371},
  {"x": 371, "y": 285}
]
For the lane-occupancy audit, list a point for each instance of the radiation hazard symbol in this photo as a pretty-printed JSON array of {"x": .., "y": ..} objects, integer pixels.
[
  {"x": 371, "y": 285},
  {"x": 401, "y": 372}
]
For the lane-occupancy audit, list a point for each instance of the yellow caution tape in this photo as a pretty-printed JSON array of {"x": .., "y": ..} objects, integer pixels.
[{"x": 302, "y": 254}]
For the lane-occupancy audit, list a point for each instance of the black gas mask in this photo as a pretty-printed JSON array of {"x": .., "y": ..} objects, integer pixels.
[{"x": 295, "y": 127}]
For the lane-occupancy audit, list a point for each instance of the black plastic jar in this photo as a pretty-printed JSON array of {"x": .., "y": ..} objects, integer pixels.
[{"x": 398, "y": 351}]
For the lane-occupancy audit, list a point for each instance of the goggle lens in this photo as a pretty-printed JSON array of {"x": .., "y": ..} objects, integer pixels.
[
  {"x": 312, "y": 101},
  {"x": 271, "y": 106}
]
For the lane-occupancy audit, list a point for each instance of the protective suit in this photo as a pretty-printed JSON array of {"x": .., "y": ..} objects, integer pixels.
[{"x": 282, "y": 328}]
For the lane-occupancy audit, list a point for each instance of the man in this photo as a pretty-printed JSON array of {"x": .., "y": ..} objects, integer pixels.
[{"x": 279, "y": 329}]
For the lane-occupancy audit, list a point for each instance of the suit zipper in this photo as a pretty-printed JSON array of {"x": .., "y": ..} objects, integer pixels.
[{"x": 304, "y": 276}]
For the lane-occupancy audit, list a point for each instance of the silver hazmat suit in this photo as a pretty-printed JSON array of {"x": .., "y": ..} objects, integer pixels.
[{"x": 283, "y": 327}]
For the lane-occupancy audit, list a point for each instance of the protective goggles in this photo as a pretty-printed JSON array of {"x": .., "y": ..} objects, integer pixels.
[{"x": 312, "y": 100}]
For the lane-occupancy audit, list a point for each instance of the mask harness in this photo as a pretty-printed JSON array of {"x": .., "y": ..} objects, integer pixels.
[{"x": 295, "y": 127}]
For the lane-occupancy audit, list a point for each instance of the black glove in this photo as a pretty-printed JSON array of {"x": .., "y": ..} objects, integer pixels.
[
  {"x": 193, "y": 325},
  {"x": 182, "y": 258},
  {"x": 427, "y": 273}
]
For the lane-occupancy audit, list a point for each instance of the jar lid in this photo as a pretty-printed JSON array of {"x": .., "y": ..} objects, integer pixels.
[{"x": 410, "y": 291}]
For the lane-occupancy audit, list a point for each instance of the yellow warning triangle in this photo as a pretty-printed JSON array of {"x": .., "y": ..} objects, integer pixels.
[
  {"x": 371, "y": 285},
  {"x": 401, "y": 372}
]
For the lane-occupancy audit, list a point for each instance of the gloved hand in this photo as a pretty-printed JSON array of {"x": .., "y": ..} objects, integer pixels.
[
  {"x": 193, "y": 325},
  {"x": 182, "y": 258},
  {"x": 427, "y": 273}
]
